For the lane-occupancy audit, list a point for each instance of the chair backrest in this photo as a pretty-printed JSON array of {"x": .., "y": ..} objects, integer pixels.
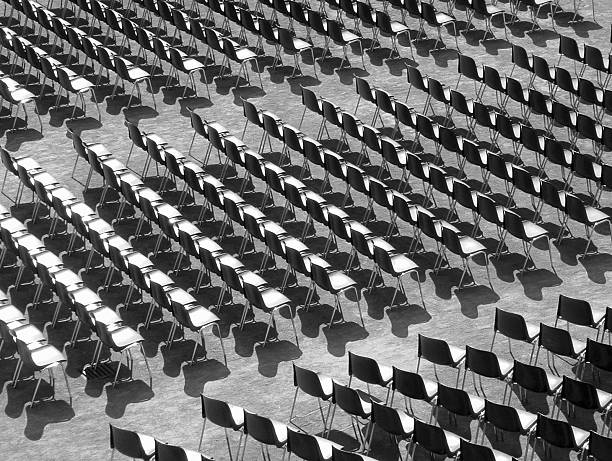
[
  {"x": 167, "y": 452},
  {"x": 501, "y": 416},
  {"x": 511, "y": 325},
  {"x": 260, "y": 428},
  {"x": 556, "y": 340},
  {"x": 308, "y": 382},
  {"x": 555, "y": 432},
  {"x": 430, "y": 437},
  {"x": 128, "y": 443},
  {"x": 472, "y": 452},
  {"x": 599, "y": 355},
  {"x": 580, "y": 393},
  {"x": 576, "y": 311},
  {"x": 482, "y": 362},
  {"x": 389, "y": 419},
  {"x": 455, "y": 400},
  {"x": 530, "y": 377},
  {"x": 349, "y": 400},
  {"x": 434, "y": 350},
  {"x": 366, "y": 369}
]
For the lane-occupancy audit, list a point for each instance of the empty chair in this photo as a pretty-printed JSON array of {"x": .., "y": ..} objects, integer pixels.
[
  {"x": 513, "y": 326},
  {"x": 597, "y": 355},
  {"x": 392, "y": 29},
  {"x": 485, "y": 363},
  {"x": 358, "y": 405},
  {"x": 552, "y": 432},
  {"x": 467, "y": 248},
  {"x": 534, "y": 379},
  {"x": 397, "y": 423},
  {"x": 413, "y": 386},
  {"x": 559, "y": 342},
  {"x": 457, "y": 402},
  {"x": 344, "y": 38},
  {"x": 598, "y": 448},
  {"x": 509, "y": 419},
  {"x": 584, "y": 395},
  {"x": 265, "y": 431},
  {"x": 315, "y": 385},
  {"x": 369, "y": 371},
  {"x": 224, "y": 415},
  {"x": 489, "y": 12},
  {"x": 439, "y": 352},
  {"x": 579, "y": 312},
  {"x": 131, "y": 443}
]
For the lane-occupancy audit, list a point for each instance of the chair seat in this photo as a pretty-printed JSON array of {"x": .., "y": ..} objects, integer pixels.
[
  {"x": 402, "y": 264},
  {"x": 137, "y": 73},
  {"x": 191, "y": 455},
  {"x": 243, "y": 54},
  {"x": 21, "y": 95},
  {"x": 398, "y": 28},
  {"x": 105, "y": 315},
  {"x": 526, "y": 419},
  {"x": 273, "y": 299},
  {"x": 470, "y": 246},
  {"x": 533, "y": 331},
  {"x": 339, "y": 281},
  {"x": 505, "y": 366},
  {"x": 594, "y": 215},
  {"x": 452, "y": 441},
  {"x": 10, "y": 313},
  {"x": 200, "y": 317},
  {"x": 46, "y": 355},
  {"x": 348, "y": 36},
  {"x": 554, "y": 382},
  {"x": 29, "y": 334},
  {"x": 493, "y": 10},
  {"x": 123, "y": 337},
  {"x": 500, "y": 456},
  {"x": 431, "y": 388},
  {"x": 192, "y": 65},
  {"x": 533, "y": 231},
  {"x": 443, "y": 18},
  {"x": 80, "y": 84},
  {"x": 477, "y": 403},
  {"x": 148, "y": 444},
  {"x": 457, "y": 353},
  {"x": 604, "y": 398},
  {"x": 578, "y": 346},
  {"x": 280, "y": 432},
  {"x": 325, "y": 447},
  {"x": 386, "y": 373},
  {"x": 407, "y": 423},
  {"x": 300, "y": 44},
  {"x": 580, "y": 436}
]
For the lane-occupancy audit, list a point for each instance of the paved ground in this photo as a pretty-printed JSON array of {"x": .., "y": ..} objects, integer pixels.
[{"x": 260, "y": 378}]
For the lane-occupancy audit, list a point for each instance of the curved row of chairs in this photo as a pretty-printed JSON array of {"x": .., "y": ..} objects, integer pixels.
[
  {"x": 186, "y": 311},
  {"x": 566, "y": 203},
  {"x": 445, "y": 234},
  {"x": 237, "y": 210},
  {"x": 175, "y": 228},
  {"x": 30, "y": 343}
]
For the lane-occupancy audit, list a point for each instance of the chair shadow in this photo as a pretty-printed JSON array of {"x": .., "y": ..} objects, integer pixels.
[
  {"x": 200, "y": 373},
  {"x": 403, "y": 317},
  {"x": 596, "y": 266},
  {"x": 535, "y": 280},
  {"x": 119, "y": 397},
  {"x": 339, "y": 335},
  {"x": 43, "y": 414},
  {"x": 473, "y": 296},
  {"x": 272, "y": 354}
]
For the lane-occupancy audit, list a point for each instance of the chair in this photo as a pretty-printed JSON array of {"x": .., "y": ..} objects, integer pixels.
[
  {"x": 504, "y": 418},
  {"x": 513, "y": 326},
  {"x": 76, "y": 84},
  {"x": 457, "y": 402},
  {"x": 598, "y": 448},
  {"x": 393, "y": 29},
  {"x": 586, "y": 396},
  {"x": 528, "y": 233},
  {"x": 167, "y": 452},
  {"x": 224, "y": 415},
  {"x": 369, "y": 371},
  {"x": 133, "y": 74},
  {"x": 265, "y": 431},
  {"x": 131, "y": 443},
  {"x": 315, "y": 385},
  {"x": 489, "y": 12},
  {"x": 589, "y": 216},
  {"x": 472, "y": 452},
  {"x": 39, "y": 357},
  {"x": 434, "y": 439},
  {"x": 413, "y": 386},
  {"x": 295, "y": 46},
  {"x": 336, "y": 283},
  {"x": 465, "y": 247},
  {"x": 242, "y": 56},
  {"x": 484, "y": 363},
  {"x": 397, "y": 423},
  {"x": 559, "y": 434},
  {"x": 439, "y": 352},
  {"x": 341, "y": 455},
  {"x": 534, "y": 379},
  {"x": 344, "y": 38},
  {"x": 437, "y": 19},
  {"x": 187, "y": 65},
  {"x": 579, "y": 312},
  {"x": 559, "y": 342},
  {"x": 358, "y": 405},
  {"x": 20, "y": 96}
]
